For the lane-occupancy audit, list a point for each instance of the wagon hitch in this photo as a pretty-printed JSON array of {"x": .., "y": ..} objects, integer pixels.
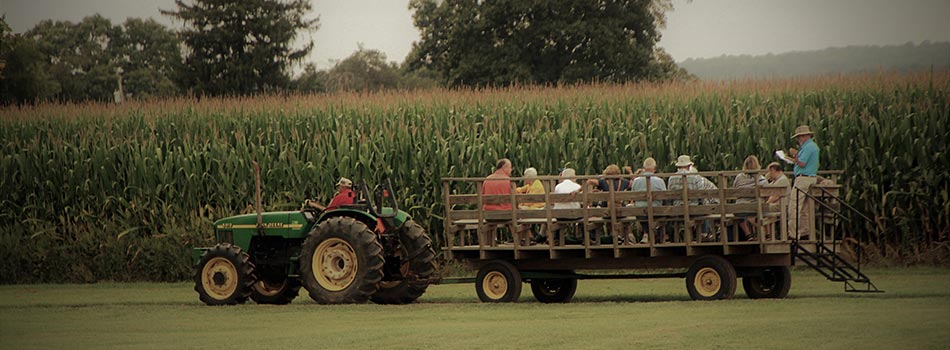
[{"x": 439, "y": 280}]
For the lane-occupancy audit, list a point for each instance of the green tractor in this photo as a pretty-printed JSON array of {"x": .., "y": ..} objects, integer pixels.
[{"x": 365, "y": 251}]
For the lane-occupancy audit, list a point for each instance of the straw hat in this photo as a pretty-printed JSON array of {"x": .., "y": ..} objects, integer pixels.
[
  {"x": 531, "y": 172},
  {"x": 344, "y": 182},
  {"x": 802, "y": 130},
  {"x": 683, "y": 161}
]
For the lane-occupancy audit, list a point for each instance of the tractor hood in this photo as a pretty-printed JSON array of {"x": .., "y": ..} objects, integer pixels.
[
  {"x": 275, "y": 223},
  {"x": 293, "y": 220}
]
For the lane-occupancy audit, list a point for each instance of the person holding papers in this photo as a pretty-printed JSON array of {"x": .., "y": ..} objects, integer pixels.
[{"x": 805, "y": 161}]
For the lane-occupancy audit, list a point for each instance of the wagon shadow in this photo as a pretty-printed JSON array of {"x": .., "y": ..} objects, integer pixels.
[
  {"x": 739, "y": 296},
  {"x": 885, "y": 295},
  {"x": 630, "y": 298}
]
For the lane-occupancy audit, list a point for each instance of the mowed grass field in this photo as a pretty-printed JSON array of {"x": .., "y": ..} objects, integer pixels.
[{"x": 914, "y": 313}]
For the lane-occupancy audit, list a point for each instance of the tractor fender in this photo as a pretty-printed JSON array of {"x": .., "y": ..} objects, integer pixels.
[
  {"x": 360, "y": 216},
  {"x": 196, "y": 254}
]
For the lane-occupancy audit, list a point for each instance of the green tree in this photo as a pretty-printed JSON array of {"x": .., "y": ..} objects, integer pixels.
[
  {"x": 24, "y": 77},
  {"x": 472, "y": 42},
  {"x": 311, "y": 80},
  {"x": 663, "y": 68},
  {"x": 78, "y": 57},
  {"x": 148, "y": 54},
  {"x": 87, "y": 59},
  {"x": 241, "y": 47},
  {"x": 364, "y": 70},
  {"x": 6, "y": 45}
]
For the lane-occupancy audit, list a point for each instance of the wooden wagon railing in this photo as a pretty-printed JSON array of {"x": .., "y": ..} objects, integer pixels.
[{"x": 468, "y": 227}]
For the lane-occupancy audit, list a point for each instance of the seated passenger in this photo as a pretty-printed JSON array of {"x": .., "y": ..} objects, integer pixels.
[
  {"x": 499, "y": 184},
  {"x": 747, "y": 179},
  {"x": 640, "y": 182},
  {"x": 705, "y": 184},
  {"x": 604, "y": 185},
  {"x": 640, "y": 185},
  {"x": 568, "y": 186},
  {"x": 531, "y": 186},
  {"x": 776, "y": 177},
  {"x": 692, "y": 182}
]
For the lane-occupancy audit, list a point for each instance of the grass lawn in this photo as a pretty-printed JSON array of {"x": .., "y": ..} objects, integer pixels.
[{"x": 914, "y": 313}]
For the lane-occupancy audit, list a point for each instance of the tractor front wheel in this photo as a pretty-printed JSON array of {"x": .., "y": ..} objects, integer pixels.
[
  {"x": 341, "y": 262},
  {"x": 224, "y": 275},
  {"x": 413, "y": 259}
]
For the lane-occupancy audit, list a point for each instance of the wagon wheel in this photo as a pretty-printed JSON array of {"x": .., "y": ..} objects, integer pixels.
[
  {"x": 710, "y": 278},
  {"x": 768, "y": 283},
  {"x": 341, "y": 262},
  {"x": 414, "y": 258},
  {"x": 498, "y": 282},
  {"x": 554, "y": 290},
  {"x": 224, "y": 275}
]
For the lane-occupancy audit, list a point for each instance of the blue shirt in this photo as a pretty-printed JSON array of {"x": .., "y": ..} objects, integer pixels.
[
  {"x": 640, "y": 184},
  {"x": 809, "y": 156}
]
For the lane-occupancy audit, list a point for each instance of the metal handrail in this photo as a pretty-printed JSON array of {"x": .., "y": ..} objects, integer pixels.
[
  {"x": 823, "y": 204},
  {"x": 851, "y": 208}
]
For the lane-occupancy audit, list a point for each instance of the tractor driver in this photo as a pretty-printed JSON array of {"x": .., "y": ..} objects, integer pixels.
[{"x": 344, "y": 196}]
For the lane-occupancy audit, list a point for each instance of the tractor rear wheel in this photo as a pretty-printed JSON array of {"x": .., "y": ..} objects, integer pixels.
[
  {"x": 414, "y": 258},
  {"x": 278, "y": 292},
  {"x": 341, "y": 262},
  {"x": 768, "y": 283},
  {"x": 224, "y": 275}
]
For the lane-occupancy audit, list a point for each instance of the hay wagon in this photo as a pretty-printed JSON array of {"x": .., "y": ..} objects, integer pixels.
[{"x": 691, "y": 234}]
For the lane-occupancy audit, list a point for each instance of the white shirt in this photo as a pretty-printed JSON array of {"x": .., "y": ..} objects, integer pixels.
[{"x": 567, "y": 186}]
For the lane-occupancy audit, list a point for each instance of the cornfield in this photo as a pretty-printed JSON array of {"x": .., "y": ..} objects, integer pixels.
[{"x": 121, "y": 192}]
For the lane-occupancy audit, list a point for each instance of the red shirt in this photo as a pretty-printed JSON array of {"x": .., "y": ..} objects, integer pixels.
[
  {"x": 495, "y": 187},
  {"x": 346, "y": 196}
]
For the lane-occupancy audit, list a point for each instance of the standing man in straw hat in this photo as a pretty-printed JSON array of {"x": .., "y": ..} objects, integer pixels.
[{"x": 801, "y": 216}]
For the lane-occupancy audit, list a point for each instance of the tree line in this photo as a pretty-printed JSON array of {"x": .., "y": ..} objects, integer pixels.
[
  {"x": 229, "y": 47},
  {"x": 909, "y": 57}
]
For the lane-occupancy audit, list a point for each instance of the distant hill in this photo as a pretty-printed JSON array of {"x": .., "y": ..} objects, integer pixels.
[{"x": 850, "y": 59}]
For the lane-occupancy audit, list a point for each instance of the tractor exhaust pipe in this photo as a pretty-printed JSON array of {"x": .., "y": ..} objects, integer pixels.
[{"x": 257, "y": 181}]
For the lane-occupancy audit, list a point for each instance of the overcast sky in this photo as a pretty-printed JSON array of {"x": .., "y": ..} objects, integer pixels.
[{"x": 701, "y": 28}]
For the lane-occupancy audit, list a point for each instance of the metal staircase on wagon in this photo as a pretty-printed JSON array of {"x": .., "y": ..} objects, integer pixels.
[{"x": 833, "y": 218}]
